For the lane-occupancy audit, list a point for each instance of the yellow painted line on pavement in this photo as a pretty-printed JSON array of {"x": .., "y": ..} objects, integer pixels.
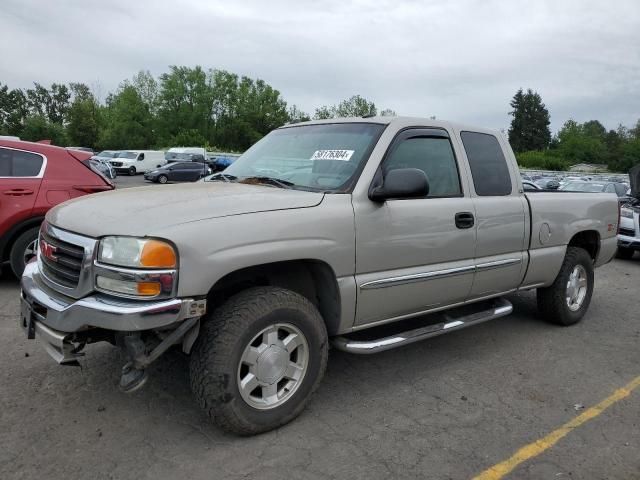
[{"x": 534, "y": 449}]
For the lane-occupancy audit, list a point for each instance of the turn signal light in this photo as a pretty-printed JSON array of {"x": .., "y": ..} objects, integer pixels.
[
  {"x": 158, "y": 254},
  {"x": 148, "y": 289}
]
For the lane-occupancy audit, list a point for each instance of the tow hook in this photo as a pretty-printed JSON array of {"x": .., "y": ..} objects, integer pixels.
[{"x": 134, "y": 373}]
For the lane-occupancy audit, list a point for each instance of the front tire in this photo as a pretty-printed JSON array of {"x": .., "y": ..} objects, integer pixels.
[
  {"x": 132, "y": 171},
  {"x": 566, "y": 301},
  {"x": 163, "y": 179},
  {"x": 624, "y": 253},
  {"x": 23, "y": 250},
  {"x": 258, "y": 359}
]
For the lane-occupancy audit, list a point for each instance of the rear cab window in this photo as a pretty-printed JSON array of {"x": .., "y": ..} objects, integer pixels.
[
  {"x": 489, "y": 168},
  {"x": 20, "y": 164}
]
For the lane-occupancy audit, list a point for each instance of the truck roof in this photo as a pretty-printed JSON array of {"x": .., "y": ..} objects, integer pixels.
[{"x": 400, "y": 122}]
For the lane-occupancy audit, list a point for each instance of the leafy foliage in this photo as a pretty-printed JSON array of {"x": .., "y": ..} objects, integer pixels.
[
  {"x": 355, "y": 106},
  {"x": 38, "y": 127},
  {"x": 574, "y": 143},
  {"x": 530, "y": 124}
]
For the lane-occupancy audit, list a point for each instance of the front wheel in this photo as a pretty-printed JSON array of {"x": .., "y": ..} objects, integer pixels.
[
  {"x": 132, "y": 171},
  {"x": 566, "y": 301},
  {"x": 258, "y": 360},
  {"x": 163, "y": 179}
]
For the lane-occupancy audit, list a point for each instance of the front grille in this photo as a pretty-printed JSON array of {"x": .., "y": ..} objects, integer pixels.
[
  {"x": 64, "y": 264},
  {"x": 116, "y": 164},
  {"x": 627, "y": 231}
]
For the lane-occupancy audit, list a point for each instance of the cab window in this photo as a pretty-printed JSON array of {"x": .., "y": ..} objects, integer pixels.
[
  {"x": 489, "y": 168},
  {"x": 434, "y": 156}
]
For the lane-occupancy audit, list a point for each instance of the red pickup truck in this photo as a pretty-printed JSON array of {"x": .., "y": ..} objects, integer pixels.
[{"x": 33, "y": 178}]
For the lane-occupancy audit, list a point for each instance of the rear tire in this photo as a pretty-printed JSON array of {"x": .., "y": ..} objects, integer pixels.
[
  {"x": 132, "y": 171},
  {"x": 23, "y": 250},
  {"x": 258, "y": 359},
  {"x": 566, "y": 301},
  {"x": 624, "y": 253}
]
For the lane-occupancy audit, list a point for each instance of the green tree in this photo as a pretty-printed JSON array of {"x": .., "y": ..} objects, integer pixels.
[
  {"x": 59, "y": 97},
  {"x": 38, "y": 127},
  {"x": 185, "y": 102},
  {"x": 129, "y": 124},
  {"x": 38, "y": 100},
  {"x": 529, "y": 128},
  {"x": 296, "y": 115},
  {"x": 83, "y": 121},
  {"x": 324, "y": 112},
  {"x": 594, "y": 129},
  {"x": 354, "y": 106},
  {"x": 387, "y": 112},
  {"x": 147, "y": 87},
  {"x": 630, "y": 156},
  {"x": 577, "y": 145}
]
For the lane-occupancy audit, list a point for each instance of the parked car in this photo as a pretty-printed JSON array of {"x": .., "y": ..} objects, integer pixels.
[
  {"x": 529, "y": 186},
  {"x": 320, "y": 233},
  {"x": 222, "y": 161},
  {"x": 33, "y": 178},
  {"x": 104, "y": 167},
  {"x": 138, "y": 161},
  {"x": 548, "y": 183},
  {"x": 178, "y": 171},
  {"x": 629, "y": 231},
  {"x": 619, "y": 189}
]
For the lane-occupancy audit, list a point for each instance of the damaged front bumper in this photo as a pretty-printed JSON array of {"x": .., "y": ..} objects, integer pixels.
[{"x": 64, "y": 324}]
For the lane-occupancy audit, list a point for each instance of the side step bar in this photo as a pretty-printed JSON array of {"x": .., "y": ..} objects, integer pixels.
[{"x": 451, "y": 321}]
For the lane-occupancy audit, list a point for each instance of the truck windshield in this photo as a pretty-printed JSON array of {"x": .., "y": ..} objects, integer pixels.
[
  {"x": 323, "y": 157},
  {"x": 130, "y": 155}
]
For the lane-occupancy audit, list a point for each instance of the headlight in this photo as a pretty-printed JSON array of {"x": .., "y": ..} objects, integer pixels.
[
  {"x": 626, "y": 213},
  {"x": 136, "y": 267},
  {"x": 137, "y": 253}
]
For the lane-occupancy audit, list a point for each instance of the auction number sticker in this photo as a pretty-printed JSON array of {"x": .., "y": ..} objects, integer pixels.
[{"x": 344, "y": 155}]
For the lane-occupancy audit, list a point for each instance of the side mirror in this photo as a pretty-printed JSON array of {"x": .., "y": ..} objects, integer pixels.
[{"x": 401, "y": 183}]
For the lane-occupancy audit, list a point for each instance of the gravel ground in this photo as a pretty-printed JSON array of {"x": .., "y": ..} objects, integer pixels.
[{"x": 445, "y": 408}]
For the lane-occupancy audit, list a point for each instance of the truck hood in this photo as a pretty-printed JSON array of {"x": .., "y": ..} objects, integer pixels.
[
  {"x": 145, "y": 210},
  {"x": 634, "y": 178}
]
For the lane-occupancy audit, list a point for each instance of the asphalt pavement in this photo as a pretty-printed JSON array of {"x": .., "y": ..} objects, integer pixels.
[{"x": 446, "y": 408}]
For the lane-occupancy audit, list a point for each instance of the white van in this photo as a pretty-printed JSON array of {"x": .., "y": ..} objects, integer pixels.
[{"x": 138, "y": 161}]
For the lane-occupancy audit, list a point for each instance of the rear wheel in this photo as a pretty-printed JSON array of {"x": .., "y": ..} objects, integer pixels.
[
  {"x": 567, "y": 300},
  {"x": 258, "y": 360},
  {"x": 624, "y": 253},
  {"x": 132, "y": 171},
  {"x": 163, "y": 179},
  {"x": 23, "y": 250}
]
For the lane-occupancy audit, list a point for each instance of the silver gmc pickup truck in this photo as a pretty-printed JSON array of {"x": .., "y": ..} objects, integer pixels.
[{"x": 363, "y": 233}]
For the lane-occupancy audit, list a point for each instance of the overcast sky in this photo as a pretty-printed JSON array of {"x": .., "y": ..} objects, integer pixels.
[{"x": 457, "y": 60}]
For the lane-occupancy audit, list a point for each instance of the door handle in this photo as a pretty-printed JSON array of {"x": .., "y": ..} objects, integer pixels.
[
  {"x": 18, "y": 192},
  {"x": 464, "y": 220}
]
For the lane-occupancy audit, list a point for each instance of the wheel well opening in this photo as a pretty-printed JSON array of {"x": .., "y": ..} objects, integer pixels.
[
  {"x": 12, "y": 235},
  {"x": 314, "y": 280},
  {"x": 588, "y": 240}
]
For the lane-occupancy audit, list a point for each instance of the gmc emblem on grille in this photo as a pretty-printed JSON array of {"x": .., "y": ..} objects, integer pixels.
[{"x": 47, "y": 251}]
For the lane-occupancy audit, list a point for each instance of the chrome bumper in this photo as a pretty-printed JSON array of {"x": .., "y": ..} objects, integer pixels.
[
  {"x": 628, "y": 242},
  {"x": 53, "y": 317}
]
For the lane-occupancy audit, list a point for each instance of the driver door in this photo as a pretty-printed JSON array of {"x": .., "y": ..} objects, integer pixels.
[{"x": 415, "y": 255}]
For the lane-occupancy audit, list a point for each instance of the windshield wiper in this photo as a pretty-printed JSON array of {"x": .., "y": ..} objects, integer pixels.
[
  {"x": 222, "y": 176},
  {"x": 269, "y": 180}
]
